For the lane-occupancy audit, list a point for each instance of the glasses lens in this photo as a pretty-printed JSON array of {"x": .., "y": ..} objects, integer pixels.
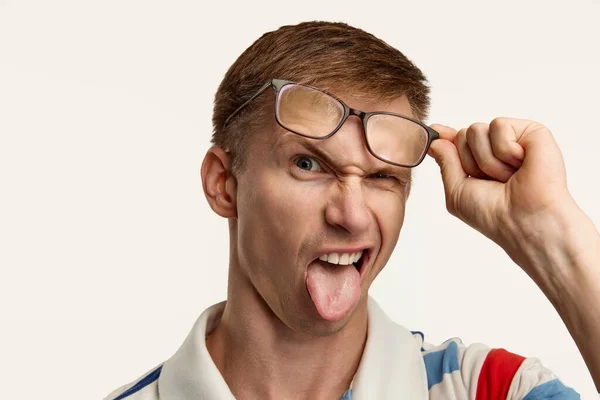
[
  {"x": 396, "y": 139},
  {"x": 308, "y": 111}
]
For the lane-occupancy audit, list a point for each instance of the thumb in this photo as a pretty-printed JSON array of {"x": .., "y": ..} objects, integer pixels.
[{"x": 445, "y": 154}]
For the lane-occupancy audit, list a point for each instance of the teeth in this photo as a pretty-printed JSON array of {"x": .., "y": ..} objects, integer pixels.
[
  {"x": 359, "y": 255},
  {"x": 344, "y": 259},
  {"x": 341, "y": 259},
  {"x": 333, "y": 258}
]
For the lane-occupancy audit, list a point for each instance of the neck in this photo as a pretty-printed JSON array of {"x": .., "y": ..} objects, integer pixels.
[{"x": 260, "y": 357}]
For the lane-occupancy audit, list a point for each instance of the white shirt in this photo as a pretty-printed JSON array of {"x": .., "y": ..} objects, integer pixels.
[{"x": 391, "y": 367}]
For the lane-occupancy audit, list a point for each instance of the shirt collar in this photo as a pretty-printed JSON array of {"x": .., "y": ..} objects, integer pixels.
[{"x": 391, "y": 366}]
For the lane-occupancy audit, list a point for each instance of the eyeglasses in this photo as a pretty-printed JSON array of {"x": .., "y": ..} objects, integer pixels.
[{"x": 314, "y": 113}]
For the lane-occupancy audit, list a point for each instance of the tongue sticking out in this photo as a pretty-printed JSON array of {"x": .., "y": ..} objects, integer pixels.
[{"x": 333, "y": 288}]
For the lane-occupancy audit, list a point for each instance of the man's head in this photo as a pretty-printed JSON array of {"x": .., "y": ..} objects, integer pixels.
[
  {"x": 332, "y": 56},
  {"x": 292, "y": 200}
]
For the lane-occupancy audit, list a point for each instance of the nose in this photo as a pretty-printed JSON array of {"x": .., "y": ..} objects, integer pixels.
[{"x": 347, "y": 209}]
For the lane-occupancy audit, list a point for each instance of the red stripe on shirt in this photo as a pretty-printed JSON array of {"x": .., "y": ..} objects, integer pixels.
[{"x": 496, "y": 374}]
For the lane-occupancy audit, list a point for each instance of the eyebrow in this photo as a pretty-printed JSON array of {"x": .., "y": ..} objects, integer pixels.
[{"x": 291, "y": 138}]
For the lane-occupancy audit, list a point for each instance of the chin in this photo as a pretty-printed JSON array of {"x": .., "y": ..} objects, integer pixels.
[{"x": 325, "y": 328}]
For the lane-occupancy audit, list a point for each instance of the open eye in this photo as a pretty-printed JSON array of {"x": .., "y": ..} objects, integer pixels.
[{"x": 307, "y": 164}]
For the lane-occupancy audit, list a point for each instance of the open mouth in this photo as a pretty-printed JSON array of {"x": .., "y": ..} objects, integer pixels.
[{"x": 337, "y": 259}]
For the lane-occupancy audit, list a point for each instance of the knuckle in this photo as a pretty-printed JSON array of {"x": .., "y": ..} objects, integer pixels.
[
  {"x": 461, "y": 136},
  {"x": 478, "y": 126},
  {"x": 499, "y": 122},
  {"x": 476, "y": 130},
  {"x": 533, "y": 125}
]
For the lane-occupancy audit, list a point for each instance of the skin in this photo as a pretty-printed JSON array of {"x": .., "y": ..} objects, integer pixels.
[
  {"x": 506, "y": 179},
  {"x": 281, "y": 219}
]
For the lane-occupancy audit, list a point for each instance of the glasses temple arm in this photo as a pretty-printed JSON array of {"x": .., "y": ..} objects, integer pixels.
[{"x": 255, "y": 95}]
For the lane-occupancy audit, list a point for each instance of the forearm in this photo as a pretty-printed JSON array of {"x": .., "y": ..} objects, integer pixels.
[{"x": 566, "y": 266}]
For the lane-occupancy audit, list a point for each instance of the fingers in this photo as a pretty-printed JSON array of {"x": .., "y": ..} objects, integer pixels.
[
  {"x": 446, "y": 156},
  {"x": 466, "y": 156},
  {"x": 503, "y": 138},
  {"x": 478, "y": 140},
  {"x": 487, "y": 151},
  {"x": 446, "y": 132}
]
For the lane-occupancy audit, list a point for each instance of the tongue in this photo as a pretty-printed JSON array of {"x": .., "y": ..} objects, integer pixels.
[{"x": 333, "y": 288}]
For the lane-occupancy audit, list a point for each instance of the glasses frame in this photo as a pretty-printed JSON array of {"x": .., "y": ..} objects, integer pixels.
[{"x": 278, "y": 84}]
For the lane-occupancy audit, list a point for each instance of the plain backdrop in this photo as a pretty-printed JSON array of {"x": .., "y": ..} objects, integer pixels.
[{"x": 108, "y": 249}]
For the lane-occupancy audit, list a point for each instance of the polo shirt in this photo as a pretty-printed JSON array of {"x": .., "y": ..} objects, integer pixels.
[{"x": 396, "y": 364}]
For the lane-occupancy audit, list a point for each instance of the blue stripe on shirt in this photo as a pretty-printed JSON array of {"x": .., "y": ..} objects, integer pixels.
[
  {"x": 347, "y": 395},
  {"x": 145, "y": 381},
  {"x": 441, "y": 362},
  {"x": 552, "y": 390}
]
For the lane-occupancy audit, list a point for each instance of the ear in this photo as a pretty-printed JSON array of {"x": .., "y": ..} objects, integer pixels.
[{"x": 220, "y": 186}]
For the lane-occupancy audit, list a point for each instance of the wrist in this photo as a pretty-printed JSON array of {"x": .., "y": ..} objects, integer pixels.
[{"x": 558, "y": 248}]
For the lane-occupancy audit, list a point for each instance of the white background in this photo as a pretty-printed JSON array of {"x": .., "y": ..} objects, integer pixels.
[{"x": 108, "y": 249}]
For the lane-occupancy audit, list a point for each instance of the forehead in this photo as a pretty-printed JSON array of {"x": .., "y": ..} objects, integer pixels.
[{"x": 367, "y": 101}]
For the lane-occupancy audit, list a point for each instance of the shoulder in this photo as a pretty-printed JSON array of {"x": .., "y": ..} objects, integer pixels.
[
  {"x": 143, "y": 388},
  {"x": 479, "y": 372}
]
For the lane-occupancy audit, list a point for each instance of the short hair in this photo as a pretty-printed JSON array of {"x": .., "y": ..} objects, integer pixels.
[{"x": 331, "y": 55}]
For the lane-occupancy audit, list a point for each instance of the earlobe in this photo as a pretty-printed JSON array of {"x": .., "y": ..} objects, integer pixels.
[{"x": 219, "y": 185}]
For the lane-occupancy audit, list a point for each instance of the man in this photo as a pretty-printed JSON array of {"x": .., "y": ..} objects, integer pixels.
[{"x": 316, "y": 129}]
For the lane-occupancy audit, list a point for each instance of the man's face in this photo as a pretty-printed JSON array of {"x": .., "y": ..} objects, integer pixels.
[{"x": 299, "y": 199}]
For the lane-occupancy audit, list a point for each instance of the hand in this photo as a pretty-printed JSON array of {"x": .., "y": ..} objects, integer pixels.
[{"x": 506, "y": 179}]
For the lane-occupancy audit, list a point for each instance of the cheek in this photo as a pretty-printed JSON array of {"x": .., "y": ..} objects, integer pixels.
[
  {"x": 389, "y": 212},
  {"x": 275, "y": 218}
]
